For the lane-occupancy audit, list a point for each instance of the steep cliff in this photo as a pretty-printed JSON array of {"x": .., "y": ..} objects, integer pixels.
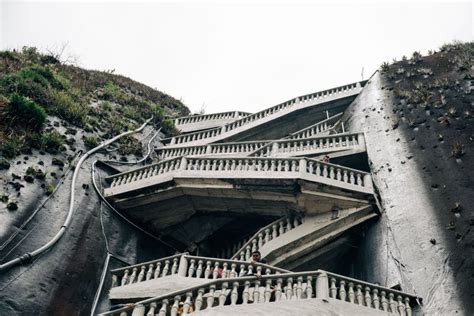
[
  {"x": 51, "y": 113},
  {"x": 417, "y": 118}
]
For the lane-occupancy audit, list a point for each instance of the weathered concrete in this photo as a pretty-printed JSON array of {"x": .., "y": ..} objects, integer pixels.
[
  {"x": 309, "y": 307},
  {"x": 154, "y": 287},
  {"x": 419, "y": 242},
  {"x": 299, "y": 245}
]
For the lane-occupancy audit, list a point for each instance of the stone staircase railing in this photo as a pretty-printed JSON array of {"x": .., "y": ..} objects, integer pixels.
[
  {"x": 300, "y": 102},
  {"x": 317, "y": 128},
  {"x": 301, "y": 286},
  {"x": 187, "y": 123},
  {"x": 273, "y": 148},
  {"x": 189, "y": 266},
  {"x": 312, "y": 146},
  {"x": 264, "y": 235},
  {"x": 251, "y": 167}
]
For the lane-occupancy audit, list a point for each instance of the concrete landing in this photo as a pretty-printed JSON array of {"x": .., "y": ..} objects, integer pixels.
[
  {"x": 154, "y": 287},
  {"x": 305, "y": 307}
]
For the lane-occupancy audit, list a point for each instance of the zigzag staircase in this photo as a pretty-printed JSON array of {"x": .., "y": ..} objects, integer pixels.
[{"x": 275, "y": 195}]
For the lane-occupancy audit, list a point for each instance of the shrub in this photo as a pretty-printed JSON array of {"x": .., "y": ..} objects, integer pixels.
[
  {"x": 384, "y": 67},
  {"x": 11, "y": 147},
  {"x": 23, "y": 111},
  {"x": 91, "y": 141},
  {"x": 66, "y": 107},
  {"x": 40, "y": 75},
  {"x": 112, "y": 91},
  {"x": 50, "y": 142}
]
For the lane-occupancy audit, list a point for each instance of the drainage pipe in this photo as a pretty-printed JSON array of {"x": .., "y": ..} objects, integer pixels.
[{"x": 29, "y": 256}]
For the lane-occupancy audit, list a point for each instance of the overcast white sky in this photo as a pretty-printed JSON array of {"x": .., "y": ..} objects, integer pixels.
[{"x": 226, "y": 56}]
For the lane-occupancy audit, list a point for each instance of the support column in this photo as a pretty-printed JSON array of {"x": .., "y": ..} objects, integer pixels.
[
  {"x": 183, "y": 266},
  {"x": 322, "y": 286}
]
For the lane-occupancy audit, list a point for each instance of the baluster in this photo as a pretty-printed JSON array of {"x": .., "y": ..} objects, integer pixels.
[
  {"x": 256, "y": 292},
  {"x": 268, "y": 271},
  {"x": 278, "y": 290},
  {"x": 260, "y": 240},
  {"x": 166, "y": 268},
  {"x": 164, "y": 307},
  {"x": 235, "y": 293},
  {"x": 114, "y": 280},
  {"x": 331, "y": 173},
  {"x": 281, "y": 228},
  {"x": 152, "y": 310},
  {"x": 383, "y": 300},
  {"x": 309, "y": 287},
  {"x": 359, "y": 294},
  {"x": 225, "y": 272},
  {"x": 250, "y": 270},
  {"x": 375, "y": 298},
  {"x": 342, "y": 290},
  {"x": 175, "y": 307},
  {"x": 242, "y": 256},
  {"x": 359, "y": 179},
  {"x": 368, "y": 298},
  {"x": 149, "y": 273},
  {"x": 288, "y": 224},
  {"x": 295, "y": 222},
  {"x": 299, "y": 288},
  {"x": 157, "y": 271},
  {"x": 391, "y": 303},
  {"x": 351, "y": 178},
  {"x": 268, "y": 236},
  {"x": 192, "y": 268},
  {"x": 408, "y": 307},
  {"x": 133, "y": 276},
  {"x": 125, "y": 277},
  {"x": 199, "y": 269},
  {"x": 268, "y": 290},
  {"x": 215, "y": 273},
  {"x": 198, "y": 303},
  {"x": 254, "y": 245},
  {"x": 207, "y": 272},
  {"x": 289, "y": 289},
  {"x": 210, "y": 298},
  {"x": 333, "y": 288},
  {"x": 248, "y": 252},
  {"x": 338, "y": 174},
  {"x": 245, "y": 293},
  {"x": 242, "y": 270},
  {"x": 187, "y": 302},
  {"x": 233, "y": 273},
  {"x": 274, "y": 231},
  {"x": 344, "y": 177},
  {"x": 351, "y": 292},
  {"x": 141, "y": 275},
  {"x": 223, "y": 294},
  {"x": 401, "y": 306}
]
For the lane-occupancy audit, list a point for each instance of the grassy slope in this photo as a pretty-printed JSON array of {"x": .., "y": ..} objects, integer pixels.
[{"x": 100, "y": 103}]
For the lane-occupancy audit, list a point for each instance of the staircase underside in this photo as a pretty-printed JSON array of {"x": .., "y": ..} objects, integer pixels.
[{"x": 156, "y": 207}]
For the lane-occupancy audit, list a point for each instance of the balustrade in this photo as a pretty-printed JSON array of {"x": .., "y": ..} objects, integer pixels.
[
  {"x": 189, "y": 266},
  {"x": 273, "y": 288},
  {"x": 265, "y": 235},
  {"x": 331, "y": 93},
  {"x": 309, "y": 169}
]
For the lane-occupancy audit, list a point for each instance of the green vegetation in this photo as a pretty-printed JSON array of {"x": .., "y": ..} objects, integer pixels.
[
  {"x": 91, "y": 142},
  {"x": 34, "y": 85},
  {"x": 22, "y": 112}
]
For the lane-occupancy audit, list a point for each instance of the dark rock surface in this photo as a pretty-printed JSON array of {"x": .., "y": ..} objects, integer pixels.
[
  {"x": 420, "y": 183},
  {"x": 64, "y": 280}
]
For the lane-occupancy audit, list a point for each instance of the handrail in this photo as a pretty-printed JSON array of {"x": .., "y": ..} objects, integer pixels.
[
  {"x": 301, "y": 131},
  {"x": 286, "y": 286},
  {"x": 191, "y": 119},
  {"x": 305, "y": 168},
  {"x": 265, "y": 234},
  {"x": 188, "y": 266},
  {"x": 261, "y": 114}
]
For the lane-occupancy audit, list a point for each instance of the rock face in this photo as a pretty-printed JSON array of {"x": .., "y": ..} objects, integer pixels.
[{"x": 424, "y": 240}]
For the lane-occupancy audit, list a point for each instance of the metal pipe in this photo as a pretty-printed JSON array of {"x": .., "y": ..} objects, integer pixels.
[{"x": 27, "y": 257}]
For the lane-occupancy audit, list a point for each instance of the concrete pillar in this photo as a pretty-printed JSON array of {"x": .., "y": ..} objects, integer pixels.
[
  {"x": 302, "y": 165},
  {"x": 139, "y": 310},
  {"x": 322, "y": 286},
  {"x": 183, "y": 266},
  {"x": 274, "y": 149},
  {"x": 184, "y": 163},
  {"x": 368, "y": 181},
  {"x": 361, "y": 140}
]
